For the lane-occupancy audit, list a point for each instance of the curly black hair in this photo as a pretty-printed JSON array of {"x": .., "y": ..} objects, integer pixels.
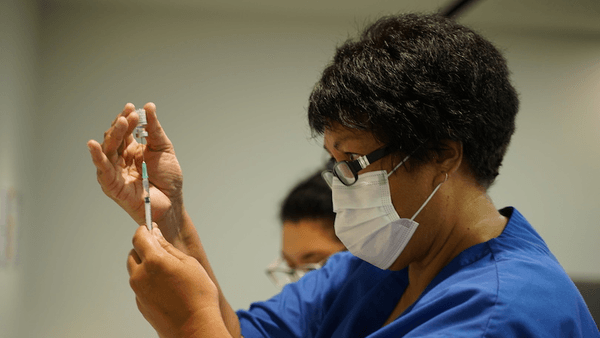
[{"x": 416, "y": 79}]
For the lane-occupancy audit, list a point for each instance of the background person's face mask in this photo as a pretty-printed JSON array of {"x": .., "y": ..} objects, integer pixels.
[{"x": 367, "y": 222}]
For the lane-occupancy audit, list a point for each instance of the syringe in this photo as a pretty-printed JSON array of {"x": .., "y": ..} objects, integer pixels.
[{"x": 140, "y": 135}]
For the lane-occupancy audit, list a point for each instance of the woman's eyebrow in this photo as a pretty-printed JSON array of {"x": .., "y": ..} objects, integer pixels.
[{"x": 336, "y": 143}]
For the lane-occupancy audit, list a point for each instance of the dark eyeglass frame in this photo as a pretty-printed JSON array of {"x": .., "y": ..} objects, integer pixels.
[{"x": 354, "y": 167}]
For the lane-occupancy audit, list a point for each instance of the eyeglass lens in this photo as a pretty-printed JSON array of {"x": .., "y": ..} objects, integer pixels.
[
  {"x": 328, "y": 177},
  {"x": 344, "y": 173},
  {"x": 281, "y": 274}
]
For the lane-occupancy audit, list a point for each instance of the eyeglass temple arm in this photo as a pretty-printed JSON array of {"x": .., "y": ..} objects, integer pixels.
[{"x": 363, "y": 161}]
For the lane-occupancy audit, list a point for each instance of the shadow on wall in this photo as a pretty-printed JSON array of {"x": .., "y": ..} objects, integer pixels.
[{"x": 591, "y": 294}]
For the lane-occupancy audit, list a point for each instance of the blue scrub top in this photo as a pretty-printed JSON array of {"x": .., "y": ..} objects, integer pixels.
[{"x": 510, "y": 286}]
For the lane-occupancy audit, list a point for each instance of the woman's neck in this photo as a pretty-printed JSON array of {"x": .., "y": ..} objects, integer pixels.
[{"x": 475, "y": 220}]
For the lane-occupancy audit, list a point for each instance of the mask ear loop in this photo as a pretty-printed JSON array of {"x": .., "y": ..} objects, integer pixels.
[
  {"x": 404, "y": 160},
  {"x": 429, "y": 198},
  {"x": 398, "y": 166}
]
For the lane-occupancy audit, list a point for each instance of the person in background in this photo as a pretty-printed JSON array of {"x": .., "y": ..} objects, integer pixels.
[
  {"x": 308, "y": 235},
  {"x": 418, "y": 112}
]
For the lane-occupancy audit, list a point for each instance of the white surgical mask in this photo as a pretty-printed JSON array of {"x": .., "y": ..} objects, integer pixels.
[{"x": 367, "y": 222}]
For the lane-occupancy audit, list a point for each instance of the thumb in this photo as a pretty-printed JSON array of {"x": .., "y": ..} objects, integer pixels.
[
  {"x": 157, "y": 138},
  {"x": 168, "y": 247}
]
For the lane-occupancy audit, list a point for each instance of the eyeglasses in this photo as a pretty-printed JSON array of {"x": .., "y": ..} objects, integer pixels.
[
  {"x": 281, "y": 274},
  {"x": 347, "y": 171}
]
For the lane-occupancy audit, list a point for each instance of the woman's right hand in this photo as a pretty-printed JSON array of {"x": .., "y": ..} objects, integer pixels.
[
  {"x": 118, "y": 161},
  {"x": 173, "y": 290}
]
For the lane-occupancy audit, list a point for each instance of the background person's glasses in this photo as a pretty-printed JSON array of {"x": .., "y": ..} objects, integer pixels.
[
  {"x": 281, "y": 274},
  {"x": 347, "y": 171}
]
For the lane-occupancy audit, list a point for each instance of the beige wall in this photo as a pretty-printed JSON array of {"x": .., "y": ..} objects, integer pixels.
[
  {"x": 551, "y": 171},
  {"x": 18, "y": 84},
  {"x": 232, "y": 94}
]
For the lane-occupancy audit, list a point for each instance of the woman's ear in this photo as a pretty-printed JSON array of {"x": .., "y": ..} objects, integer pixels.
[{"x": 449, "y": 156}]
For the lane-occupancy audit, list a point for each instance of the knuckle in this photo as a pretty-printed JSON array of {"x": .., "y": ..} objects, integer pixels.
[
  {"x": 135, "y": 240},
  {"x": 153, "y": 264},
  {"x": 140, "y": 306},
  {"x": 134, "y": 283}
]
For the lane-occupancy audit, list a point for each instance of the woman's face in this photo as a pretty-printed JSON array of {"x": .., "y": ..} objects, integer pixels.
[
  {"x": 309, "y": 241},
  {"x": 409, "y": 189}
]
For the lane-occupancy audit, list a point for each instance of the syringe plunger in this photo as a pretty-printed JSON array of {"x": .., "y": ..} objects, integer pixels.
[{"x": 146, "y": 185}]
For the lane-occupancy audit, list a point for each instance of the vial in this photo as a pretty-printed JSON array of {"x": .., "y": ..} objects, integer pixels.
[{"x": 140, "y": 132}]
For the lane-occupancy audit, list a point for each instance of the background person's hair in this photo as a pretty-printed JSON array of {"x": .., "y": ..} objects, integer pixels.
[
  {"x": 414, "y": 79},
  {"x": 309, "y": 199}
]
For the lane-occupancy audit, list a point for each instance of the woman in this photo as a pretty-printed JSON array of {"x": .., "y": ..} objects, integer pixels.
[{"x": 418, "y": 113}]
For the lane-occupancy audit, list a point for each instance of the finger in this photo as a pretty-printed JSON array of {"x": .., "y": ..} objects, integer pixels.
[
  {"x": 105, "y": 171},
  {"x": 117, "y": 137},
  {"x": 166, "y": 245},
  {"x": 113, "y": 139},
  {"x": 144, "y": 243},
  {"x": 133, "y": 261},
  {"x": 128, "y": 109},
  {"x": 104, "y": 168},
  {"x": 132, "y": 120},
  {"x": 157, "y": 138}
]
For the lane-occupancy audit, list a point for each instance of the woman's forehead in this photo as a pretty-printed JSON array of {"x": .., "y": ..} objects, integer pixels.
[{"x": 338, "y": 137}]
